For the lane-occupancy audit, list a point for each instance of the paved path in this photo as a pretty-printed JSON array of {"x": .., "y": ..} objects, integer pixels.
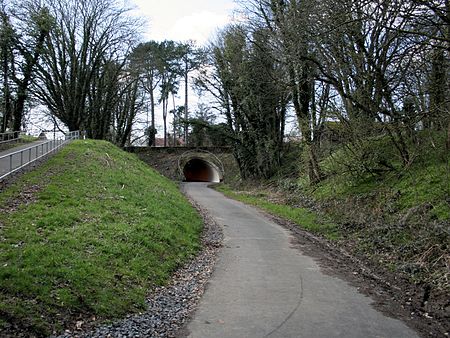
[
  {"x": 17, "y": 159},
  {"x": 263, "y": 287}
]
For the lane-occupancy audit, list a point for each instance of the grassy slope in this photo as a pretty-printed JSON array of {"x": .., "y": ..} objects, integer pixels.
[
  {"x": 102, "y": 228},
  {"x": 426, "y": 181},
  {"x": 307, "y": 219},
  {"x": 399, "y": 221}
]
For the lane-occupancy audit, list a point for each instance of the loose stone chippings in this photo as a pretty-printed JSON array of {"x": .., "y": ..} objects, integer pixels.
[{"x": 169, "y": 307}]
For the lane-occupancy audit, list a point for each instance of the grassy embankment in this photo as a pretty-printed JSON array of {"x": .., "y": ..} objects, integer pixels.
[
  {"x": 398, "y": 219},
  {"x": 307, "y": 219},
  {"x": 88, "y": 233}
]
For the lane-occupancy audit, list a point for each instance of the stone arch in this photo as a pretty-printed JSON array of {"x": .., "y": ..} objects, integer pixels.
[{"x": 200, "y": 166}]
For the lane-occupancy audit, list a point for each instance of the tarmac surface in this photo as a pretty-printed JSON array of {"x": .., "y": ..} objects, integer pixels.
[
  {"x": 263, "y": 286},
  {"x": 16, "y": 159}
]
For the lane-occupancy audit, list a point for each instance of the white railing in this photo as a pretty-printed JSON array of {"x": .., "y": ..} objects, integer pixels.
[
  {"x": 12, "y": 162},
  {"x": 9, "y": 137}
]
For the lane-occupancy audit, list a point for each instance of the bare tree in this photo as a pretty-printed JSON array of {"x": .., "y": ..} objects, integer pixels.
[
  {"x": 129, "y": 104},
  {"x": 368, "y": 52},
  {"x": 24, "y": 28},
  {"x": 241, "y": 76},
  {"x": 89, "y": 36},
  {"x": 290, "y": 23}
]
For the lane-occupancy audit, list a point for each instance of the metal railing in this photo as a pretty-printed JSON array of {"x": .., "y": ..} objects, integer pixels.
[
  {"x": 12, "y": 162},
  {"x": 9, "y": 136}
]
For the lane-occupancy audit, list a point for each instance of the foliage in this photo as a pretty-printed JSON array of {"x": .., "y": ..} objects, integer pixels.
[
  {"x": 204, "y": 134},
  {"x": 146, "y": 60},
  {"x": 95, "y": 230},
  {"x": 253, "y": 105},
  {"x": 425, "y": 182},
  {"x": 160, "y": 66},
  {"x": 204, "y": 130},
  {"x": 399, "y": 219}
]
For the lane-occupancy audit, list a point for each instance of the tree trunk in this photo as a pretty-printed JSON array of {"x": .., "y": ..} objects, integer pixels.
[
  {"x": 152, "y": 107},
  {"x": 6, "y": 90},
  {"x": 315, "y": 173},
  {"x": 174, "y": 123},
  {"x": 186, "y": 99},
  {"x": 164, "y": 102},
  {"x": 6, "y": 96}
]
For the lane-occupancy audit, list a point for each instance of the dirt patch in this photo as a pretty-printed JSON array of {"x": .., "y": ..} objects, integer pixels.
[
  {"x": 25, "y": 197},
  {"x": 27, "y": 193}
]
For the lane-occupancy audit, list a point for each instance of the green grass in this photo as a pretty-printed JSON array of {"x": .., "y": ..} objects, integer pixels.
[
  {"x": 28, "y": 138},
  {"x": 396, "y": 219},
  {"x": 301, "y": 216},
  {"x": 425, "y": 181},
  {"x": 102, "y": 229},
  {"x": 23, "y": 139}
]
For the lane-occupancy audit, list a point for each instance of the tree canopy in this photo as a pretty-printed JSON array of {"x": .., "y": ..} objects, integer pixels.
[{"x": 372, "y": 68}]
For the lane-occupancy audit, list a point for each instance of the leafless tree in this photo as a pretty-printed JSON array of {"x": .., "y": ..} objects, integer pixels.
[
  {"x": 24, "y": 28},
  {"x": 376, "y": 55},
  {"x": 242, "y": 77},
  {"x": 91, "y": 38}
]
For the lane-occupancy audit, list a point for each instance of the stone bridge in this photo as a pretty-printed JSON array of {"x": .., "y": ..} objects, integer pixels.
[{"x": 190, "y": 164}]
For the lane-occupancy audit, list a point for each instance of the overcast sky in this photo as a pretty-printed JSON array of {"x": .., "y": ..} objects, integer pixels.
[
  {"x": 183, "y": 20},
  {"x": 178, "y": 20}
]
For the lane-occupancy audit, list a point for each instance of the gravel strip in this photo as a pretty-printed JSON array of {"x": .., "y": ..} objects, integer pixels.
[{"x": 169, "y": 307}]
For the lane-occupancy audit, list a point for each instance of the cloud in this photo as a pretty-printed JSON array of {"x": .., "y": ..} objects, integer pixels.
[
  {"x": 183, "y": 20},
  {"x": 198, "y": 26}
]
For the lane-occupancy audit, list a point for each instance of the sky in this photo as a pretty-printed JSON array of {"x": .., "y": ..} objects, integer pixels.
[{"x": 180, "y": 20}]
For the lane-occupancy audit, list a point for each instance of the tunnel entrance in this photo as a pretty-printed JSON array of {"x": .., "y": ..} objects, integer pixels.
[{"x": 198, "y": 170}]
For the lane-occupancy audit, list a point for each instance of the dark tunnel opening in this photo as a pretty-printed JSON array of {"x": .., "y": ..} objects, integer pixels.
[{"x": 198, "y": 170}]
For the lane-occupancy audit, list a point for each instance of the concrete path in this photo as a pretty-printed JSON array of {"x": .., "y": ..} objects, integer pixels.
[
  {"x": 16, "y": 160},
  {"x": 263, "y": 287}
]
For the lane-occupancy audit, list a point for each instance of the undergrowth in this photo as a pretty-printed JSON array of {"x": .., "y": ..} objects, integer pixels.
[
  {"x": 305, "y": 218},
  {"x": 397, "y": 217}
]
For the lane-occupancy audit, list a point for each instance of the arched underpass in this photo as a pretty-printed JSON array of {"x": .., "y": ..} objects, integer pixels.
[
  {"x": 187, "y": 164},
  {"x": 199, "y": 170}
]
